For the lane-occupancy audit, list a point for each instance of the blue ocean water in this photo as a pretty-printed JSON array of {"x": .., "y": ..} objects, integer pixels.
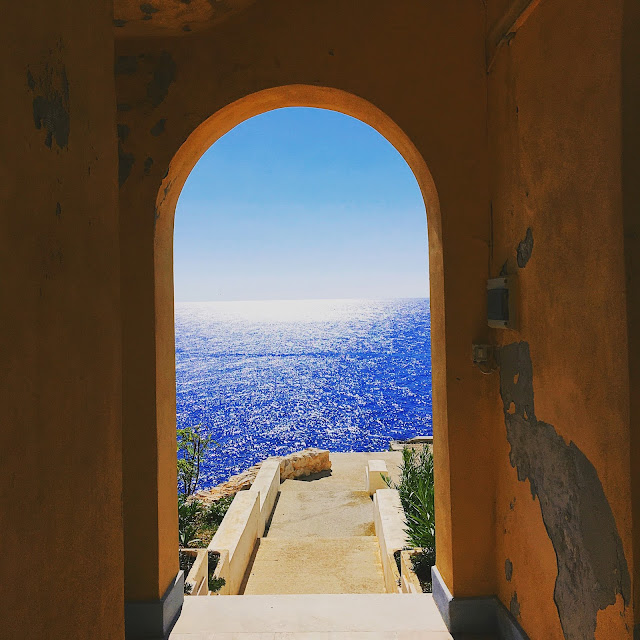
[{"x": 272, "y": 377}]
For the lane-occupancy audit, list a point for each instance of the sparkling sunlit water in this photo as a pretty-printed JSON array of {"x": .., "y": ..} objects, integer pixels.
[{"x": 272, "y": 377}]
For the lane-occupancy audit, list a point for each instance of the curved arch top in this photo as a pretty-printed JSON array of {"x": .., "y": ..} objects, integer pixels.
[{"x": 299, "y": 95}]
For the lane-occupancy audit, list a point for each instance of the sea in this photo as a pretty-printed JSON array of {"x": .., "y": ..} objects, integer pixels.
[{"x": 273, "y": 377}]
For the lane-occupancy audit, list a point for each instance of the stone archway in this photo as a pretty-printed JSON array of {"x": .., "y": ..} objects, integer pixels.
[
  {"x": 183, "y": 161},
  {"x": 147, "y": 207}
]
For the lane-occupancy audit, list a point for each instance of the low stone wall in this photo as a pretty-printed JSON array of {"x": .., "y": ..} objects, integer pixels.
[
  {"x": 267, "y": 483},
  {"x": 222, "y": 570},
  {"x": 295, "y": 465},
  {"x": 198, "y": 575},
  {"x": 408, "y": 578},
  {"x": 388, "y": 518},
  {"x": 376, "y": 475},
  {"x": 237, "y": 535}
]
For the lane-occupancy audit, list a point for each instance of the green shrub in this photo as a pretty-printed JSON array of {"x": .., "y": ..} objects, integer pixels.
[
  {"x": 189, "y": 514},
  {"x": 215, "y": 512},
  {"x": 186, "y": 561},
  {"x": 215, "y": 584},
  {"x": 416, "y": 494}
]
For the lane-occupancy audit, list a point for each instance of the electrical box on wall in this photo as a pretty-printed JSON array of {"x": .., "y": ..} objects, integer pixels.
[{"x": 501, "y": 302}]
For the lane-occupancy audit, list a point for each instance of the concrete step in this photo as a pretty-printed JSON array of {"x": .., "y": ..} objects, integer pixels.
[
  {"x": 316, "y": 565},
  {"x": 310, "y": 617},
  {"x": 323, "y": 513}
]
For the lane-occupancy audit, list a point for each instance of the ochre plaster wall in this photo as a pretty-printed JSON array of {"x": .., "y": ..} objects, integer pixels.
[
  {"x": 421, "y": 64},
  {"x": 555, "y": 131},
  {"x": 60, "y": 437}
]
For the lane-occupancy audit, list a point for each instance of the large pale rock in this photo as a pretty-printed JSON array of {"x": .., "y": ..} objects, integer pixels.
[
  {"x": 304, "y": 463},
  {"x": 295, "y": 465}
]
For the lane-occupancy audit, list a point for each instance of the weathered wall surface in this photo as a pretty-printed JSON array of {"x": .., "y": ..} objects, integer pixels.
[
  {"x": 420, "y": 63},
  {"x": 60, "y": 447},
  {"x": 564, "y": 530}
]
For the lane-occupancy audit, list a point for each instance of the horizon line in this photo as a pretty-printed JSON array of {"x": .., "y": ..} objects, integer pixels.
[{"x": 383, "y": 298}]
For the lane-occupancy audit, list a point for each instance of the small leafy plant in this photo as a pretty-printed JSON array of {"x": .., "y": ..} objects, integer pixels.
[
  {"x": 188, "y": 522},
  {"x": 192, "y": 446},
  {"x": 215, "y": 584}
]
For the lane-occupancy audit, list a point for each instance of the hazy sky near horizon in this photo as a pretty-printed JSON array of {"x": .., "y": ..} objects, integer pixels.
[{"x": 300, "y": 203}]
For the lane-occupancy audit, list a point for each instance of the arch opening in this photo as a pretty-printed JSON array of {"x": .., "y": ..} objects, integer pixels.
[{"x": 184, "y": 160}]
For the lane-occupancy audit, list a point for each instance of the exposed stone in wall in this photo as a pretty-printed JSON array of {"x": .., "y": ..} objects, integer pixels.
[
  {"x": 525, "y": 249},
  {"x": 304, "y": 463},
  {"x": 592, "y": 568},
  {"x": 295, "y": 465}
]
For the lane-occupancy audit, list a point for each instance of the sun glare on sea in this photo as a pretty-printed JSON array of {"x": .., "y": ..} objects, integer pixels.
[{"x": 295, "y": 311}]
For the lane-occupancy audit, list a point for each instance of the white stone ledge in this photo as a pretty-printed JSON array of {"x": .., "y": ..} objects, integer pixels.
[
  {"x": 198, "y": 574},
  {"x": 237, "y": 536},
  {"x": 267, "y": 483},
  {"x": 388, "y": 517},
  {"x": 375, "y": 476}
]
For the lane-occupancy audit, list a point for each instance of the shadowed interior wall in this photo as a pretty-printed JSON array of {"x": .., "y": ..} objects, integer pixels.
[
  {"x": 421, "y": 64},
  {"x": 555, "y": 131},
  {"x": 631, "y": 197},
  {"x": 60, "y": 436}
]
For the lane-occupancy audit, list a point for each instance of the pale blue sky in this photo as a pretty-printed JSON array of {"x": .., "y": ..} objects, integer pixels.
[{"x": 300, "y": 203}]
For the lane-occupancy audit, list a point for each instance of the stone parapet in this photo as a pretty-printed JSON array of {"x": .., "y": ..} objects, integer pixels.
[{"x": 295, "y": 465}]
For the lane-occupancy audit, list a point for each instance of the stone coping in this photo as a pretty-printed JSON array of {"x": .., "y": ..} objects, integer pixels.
[{"x": 388, "y": 518}]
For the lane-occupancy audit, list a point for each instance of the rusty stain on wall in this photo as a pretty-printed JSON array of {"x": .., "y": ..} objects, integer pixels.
[{"x": 592, "y": 568}]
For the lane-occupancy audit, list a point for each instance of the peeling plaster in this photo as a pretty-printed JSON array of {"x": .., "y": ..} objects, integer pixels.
[
  {"x": 123, "y": 132},
  {"x": 508, "y": 569},
  {"x": 126, "y": 65},
  {"x": 514, "y": 606},
  {"x": 591, "y": 564},
  {"x": 220, "y": 7},
  {"x": 158, "y": 127},
  {"x": 148, "y": 10},
  {"x": 125, "y": 164},
  {"x": 163, "y": 75},
  {"x": 525, "y": 248},
  {"x": 51, "y": 100}
]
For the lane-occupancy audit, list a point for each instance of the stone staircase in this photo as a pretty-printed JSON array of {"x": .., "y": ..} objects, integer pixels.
[
  {"x": 318, "y": 541},
  {"x": 315, "y": 574}
]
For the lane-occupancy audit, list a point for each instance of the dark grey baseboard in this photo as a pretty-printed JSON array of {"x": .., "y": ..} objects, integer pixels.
[
  {"x": 154, "y": 619},
  {"x": 474, "y": 615}
]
